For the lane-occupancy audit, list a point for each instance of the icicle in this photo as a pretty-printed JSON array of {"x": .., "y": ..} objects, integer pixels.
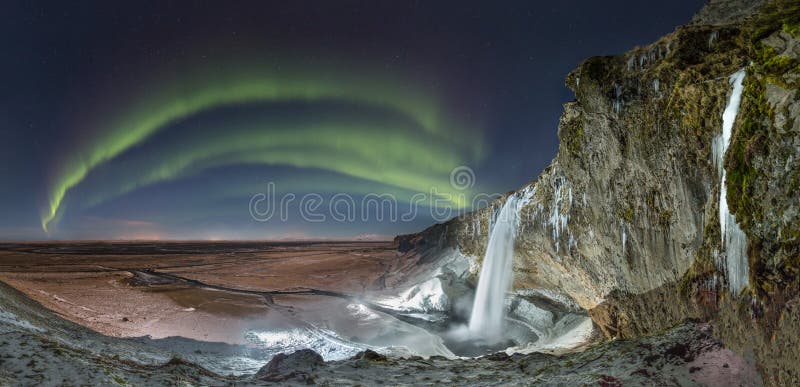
[
  {"x": 617, "y": 102},
  {"x": 558, "y": 220},
  {"x": 712, "y": 38}
]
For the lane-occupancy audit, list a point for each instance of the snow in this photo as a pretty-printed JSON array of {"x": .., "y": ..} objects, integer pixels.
[
  {"x": 326, "y": 343},
  {"x": 536, "y": 318},
  {"x": 570, "y": 332},
  {"x": 426, "y": 297}
]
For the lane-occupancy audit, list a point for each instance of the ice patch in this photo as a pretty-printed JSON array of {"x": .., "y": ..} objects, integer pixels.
[
  {"x": 538, "y": 319},
  {"x": 361, "y": 312},
  {"x": 569, "y": 332},
  {"x": 326, "y": 343},
  {"x": 551, "y": 295},
  {"x": 426, "y": 297}
]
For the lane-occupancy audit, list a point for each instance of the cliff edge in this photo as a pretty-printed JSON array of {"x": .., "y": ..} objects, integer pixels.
[{"x": 631, "y": 219}]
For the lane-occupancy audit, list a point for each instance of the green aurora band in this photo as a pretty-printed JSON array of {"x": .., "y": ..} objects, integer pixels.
[
  {"x": 394, "y": 155},
  {"x": 386, "y": 158}
]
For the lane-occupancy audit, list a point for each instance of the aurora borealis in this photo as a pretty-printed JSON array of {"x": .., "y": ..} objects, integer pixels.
[
  {"x": 169, "y": 117},
  {"x": 406, "y": 161}
]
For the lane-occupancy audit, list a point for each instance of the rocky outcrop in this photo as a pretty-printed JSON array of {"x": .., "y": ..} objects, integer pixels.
[
  {"x": 625, "y": 220},
  {"x": 296, "y": 367}
]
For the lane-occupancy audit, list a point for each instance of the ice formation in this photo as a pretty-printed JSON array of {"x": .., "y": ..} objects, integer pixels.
[
  {"x": 734, "y": 241},
  {"x": 425, "y": 297}
]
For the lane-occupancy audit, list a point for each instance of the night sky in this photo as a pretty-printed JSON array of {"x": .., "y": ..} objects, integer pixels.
[{"x": 161, "y": 120}]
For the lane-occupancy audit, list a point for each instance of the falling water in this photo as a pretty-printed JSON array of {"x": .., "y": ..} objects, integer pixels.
[
  {"x": 488, "y": 309},
  {"x": 734, "y": 240}
]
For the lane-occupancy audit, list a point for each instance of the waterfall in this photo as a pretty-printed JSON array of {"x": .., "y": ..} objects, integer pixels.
[
  {"x": 488, "y": 310},
  {"x": 734, "y": 241}
]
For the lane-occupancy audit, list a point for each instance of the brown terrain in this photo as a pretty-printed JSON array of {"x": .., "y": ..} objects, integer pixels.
[{"x": 198, "y": 290}]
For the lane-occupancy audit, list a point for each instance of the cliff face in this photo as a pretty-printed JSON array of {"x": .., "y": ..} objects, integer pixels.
[{"x": 625, "y": 221}]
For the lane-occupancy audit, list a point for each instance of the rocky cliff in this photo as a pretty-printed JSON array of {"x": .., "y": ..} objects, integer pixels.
[{"x": 626, "y": 219}]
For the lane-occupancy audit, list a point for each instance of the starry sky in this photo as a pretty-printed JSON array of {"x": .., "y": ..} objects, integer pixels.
[{"x": 179, "y": 119}]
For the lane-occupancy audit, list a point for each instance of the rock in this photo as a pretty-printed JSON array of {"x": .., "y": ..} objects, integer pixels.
[
  {"x": 609, "y": 381},
  {"x": 718, "y": 12},
  {"x": 367, "y": 358},
  {"x": 497, "y": 356},
  {"x": 784, "y": 44},
  {"x": 295, "y": 366},
  {"x": 369, "y": 355}
]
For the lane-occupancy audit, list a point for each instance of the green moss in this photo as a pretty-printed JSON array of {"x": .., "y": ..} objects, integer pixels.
[
  {"x": 700, "y": 270},
  {"x": 651, "y": 200},
  {"x": 792, "y": 28},
  {"x": 665, "y": 218},
  {"x": 778, "y": 15},
  {"x": 598, "y": 68},
  {"x": 774, "y": 16},
  {"x": 573, "y": 139},
  {"x": 747, "y": 144},
  {"x": 703, "y": 267},
  {"x": 627, "y": 214},
  {"x": 774, "y": 66},
  {"x": 119, "y": 380}
]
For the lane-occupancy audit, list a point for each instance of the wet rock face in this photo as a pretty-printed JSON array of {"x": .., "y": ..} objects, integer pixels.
[{"x": 625, "y": 220}]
